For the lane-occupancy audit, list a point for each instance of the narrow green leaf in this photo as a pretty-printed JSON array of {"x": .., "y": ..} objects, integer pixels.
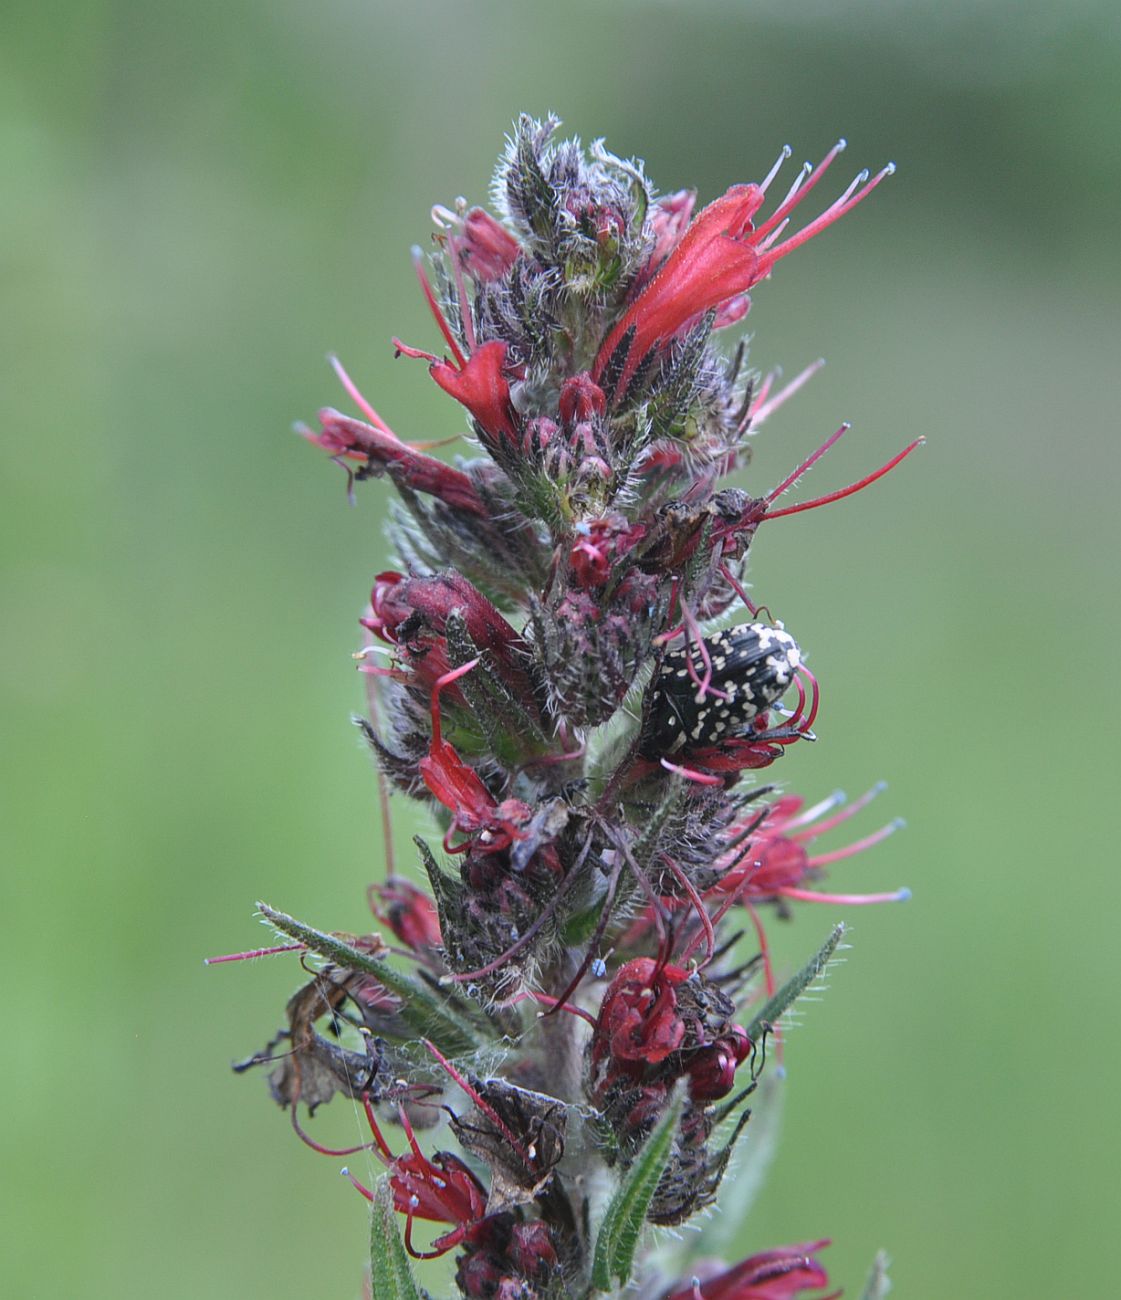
[
  {"x": 429, "y": 1015},
  {"x": 622, "y": 1224},
  {"x": 878, "y": 1284},
  {"x": 391, "y": 1276},
  {"x": 793, "y": 989}
]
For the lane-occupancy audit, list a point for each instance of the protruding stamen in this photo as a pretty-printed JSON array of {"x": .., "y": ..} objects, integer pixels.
[
  {"x": 792, "y": 478},
  {"x": 706, "y": 931},
  {"x": 841, "y": 493},
  {"x": 806, "y": 724},
  {"x": 358, "y": 1187},
  {"x": 858, "y": 846},
  {"x": 810, "y": 177},
  {"x": 847, "y": 900},
  {"x": 833, "y": 213},
  {"x": 704, "y": 685},
  {"x": 857, "y": 805},
  {"x": 784, "y": 153},
  {"x": 788, "y": 202},
  {"x": 308, "y": 1140},
  {"x": 255, "y": 952},
  {"x": 434, "y": 307},
  {"x": 356, "y": 397},
  {"x": 761, "y": 409},
  {"x": 701, "y": 778},
  {"x": 446, "y": 680},
  {"x": 481, "y": 1104},
  {"x": 831, "y": 801},
  {"x": 554, "y": 1004}
]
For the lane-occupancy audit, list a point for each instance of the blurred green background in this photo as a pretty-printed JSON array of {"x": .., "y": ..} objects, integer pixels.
[{"x": 197, "y": 202}]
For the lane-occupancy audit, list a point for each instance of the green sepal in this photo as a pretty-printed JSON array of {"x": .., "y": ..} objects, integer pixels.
[
  {"x": 794, "y": 987},
  {"x": 622, "y": 1225},
  {"x": 391, "y": 1275},
  {"x": 878, "y": 1283},
  {"x": 512, "y": 734},
  {"x": 580, "y": 927},
  {"x": 428, "y": 1015},
  {"x": 447, "y": 892}
]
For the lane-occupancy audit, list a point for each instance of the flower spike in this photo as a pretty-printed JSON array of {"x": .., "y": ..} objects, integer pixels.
[{"x": 567, "y": 669}]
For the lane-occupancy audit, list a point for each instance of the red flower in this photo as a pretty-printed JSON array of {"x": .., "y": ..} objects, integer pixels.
[
  {"x": 776, "y": 862},
  {"x": 381, "y": 451},
  {"x": 638, "y": 1019},
  {"x": 424, "y": 604},
  {"x": 719, "y": 258},
  {"x": 480, "y": 385},
  {"x": 441, "y": 1190},
  {"x": 476, "y": 380},
  {"x": 478, "y": 243},
  {"x": 648, "y": 1020},
  {"x": 408, "y": 912},
  {"x": 773, "y": 1275}
]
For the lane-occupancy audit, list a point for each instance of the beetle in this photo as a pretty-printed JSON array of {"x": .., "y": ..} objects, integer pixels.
[{"x": 714, "y": 689}]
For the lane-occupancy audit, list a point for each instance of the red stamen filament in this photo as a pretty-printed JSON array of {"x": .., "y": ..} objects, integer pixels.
[
  {"x": 446, "y": 680},
  {"x": 811, "y": 832},
  {"x": 434, "y": 308},
  {"x": 833, "y": 213},
  {"x": 848, "y": 900},
  {"x": 690, "y": 774},
  {"x": 704, "y": 685},
  {"x": 480, "y": 1104},
  {"x": 554, "y": 1004},
  {"x": 793, "y": 477},
  {"x": 804, "y": 183},
  {"x": 761, "y": 408},
  {"x": 308, "y": 1140},
  {"x": 841, "y": 493},
  {"x": 706, "y": 931},
  {"x": 738, "y": 588},
  {"x": 256, "y": 952},
  {"x": 760, "y": 934},
  {"x": 765, "y": 183},
  {"x": 858, "y": 846},
  {"x": 356, "y": 397},
  {"x": 358, "y": 1187}
]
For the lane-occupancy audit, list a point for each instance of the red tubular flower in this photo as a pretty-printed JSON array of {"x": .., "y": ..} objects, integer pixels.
[
  {"x": 478, "y": 380},
  {"x": 428, "y": 602},
  {"x": 440, "y": 1190},
  {"x": 719, "y": 258},
  {"x": 581, "y": 399},
  {"x": 638, "y": 1019},
  {"x": 408, "y": 912},
  {"x": 481, "y": 386},
  {"x": 381, "y": 451},
  {"x": 600, "y": 543},
  {"x": 669, "y": 220},
  {"x": 488, "y": 825},
  {"x": 485, "y": 247},
  {"x": 772, "y": 1275}
]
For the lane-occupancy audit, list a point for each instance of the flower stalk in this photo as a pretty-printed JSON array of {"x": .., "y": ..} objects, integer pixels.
[{"x": 566, "y": 668}]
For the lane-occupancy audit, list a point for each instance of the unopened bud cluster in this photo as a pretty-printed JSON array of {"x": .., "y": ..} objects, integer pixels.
[{"x": 566, "y": 668}]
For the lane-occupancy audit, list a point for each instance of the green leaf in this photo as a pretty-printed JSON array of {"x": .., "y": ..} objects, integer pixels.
[
  {"x": 622, "y": 1224},
  {"x": 878, "y": 1284},
  {"x": 391, "y": 1276},
  {"x": 793, "y": 989},
  {"x": 425, "y": 1012}
]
